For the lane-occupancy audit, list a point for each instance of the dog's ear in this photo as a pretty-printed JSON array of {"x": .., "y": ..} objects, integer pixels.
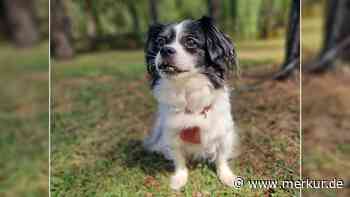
[
  {"x": 219, "y": 47},
  {"x": 151, "y": 50}
]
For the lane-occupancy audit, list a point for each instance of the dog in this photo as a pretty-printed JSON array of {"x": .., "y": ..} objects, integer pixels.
[{"x": 189, "y": 63}]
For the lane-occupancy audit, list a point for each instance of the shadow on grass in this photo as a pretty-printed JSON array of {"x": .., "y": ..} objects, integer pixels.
[{"x": 135, "y": 156}]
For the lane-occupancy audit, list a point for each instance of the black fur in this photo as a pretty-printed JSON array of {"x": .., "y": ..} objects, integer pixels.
[
  {"x": 151, "y": 51},
  {"x": 220, "y": 52},
  {"x": 214, "y": 50}
]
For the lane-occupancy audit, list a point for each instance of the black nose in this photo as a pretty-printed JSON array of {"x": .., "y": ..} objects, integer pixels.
[{"x": 167, "y": 51}]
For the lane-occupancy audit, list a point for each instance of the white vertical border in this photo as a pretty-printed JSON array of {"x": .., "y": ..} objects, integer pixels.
[
  {"x": 300, "y": 97},
  {"x": 50, "y": 97}
]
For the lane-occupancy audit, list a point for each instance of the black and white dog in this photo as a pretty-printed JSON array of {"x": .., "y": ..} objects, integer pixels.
[{"x": 188, "y": 63}]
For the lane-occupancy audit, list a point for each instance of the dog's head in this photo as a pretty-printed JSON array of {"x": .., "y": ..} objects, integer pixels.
[{"x": 192, "y": 46}]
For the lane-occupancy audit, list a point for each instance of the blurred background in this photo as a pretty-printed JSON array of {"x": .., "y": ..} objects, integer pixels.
[
  {"x": 325, "y": 92},
  {"x": 103, "y": 106},
  {"x": 87, "y": 25},
  {"x": 24, "y": 97}
]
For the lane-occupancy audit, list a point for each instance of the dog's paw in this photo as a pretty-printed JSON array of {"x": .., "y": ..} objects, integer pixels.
[
  {"x": 178, "y": 180},
  {"x": 227, "y": 177}
]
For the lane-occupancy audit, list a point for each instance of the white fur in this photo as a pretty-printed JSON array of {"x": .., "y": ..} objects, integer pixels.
[{"x": 192, "y": 90}]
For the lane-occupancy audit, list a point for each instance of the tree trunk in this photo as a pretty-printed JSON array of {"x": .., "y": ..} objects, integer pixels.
[
  {"x": 179, "y": 4},
  {"x": 293, "y": 36},
  {"x": 4, "y": 30},
  {"x": 214, "y": 9},
  {"x": 153, "y": 9},
  {"x": 266, "y": 19},
  {"x": 135, "y": 18},
  {"x": 335, "y": 43},
  {"x": 332, "y": 24},
  {"x": 233, "y": 12},
  {"x": 61, "y": 39},
  {"x": 21, "y": 20},
  {"x": 292, "y": 51},
  {"x": 344, "y": 31},
  {"x": 93, "y": 24}
]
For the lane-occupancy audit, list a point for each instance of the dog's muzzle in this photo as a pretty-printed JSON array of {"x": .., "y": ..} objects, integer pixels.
[
  {"x": 167, "y": 64},
  {"x": 167, "y": 52},
  {"x": 167, "y": 68}
]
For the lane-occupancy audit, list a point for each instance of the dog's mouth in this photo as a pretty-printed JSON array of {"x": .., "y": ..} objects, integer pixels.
[{"x": 170, "y": 69}]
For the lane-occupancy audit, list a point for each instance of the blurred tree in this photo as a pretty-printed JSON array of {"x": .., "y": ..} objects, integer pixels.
[
  {"x": 4, "y": 31},
  {"x": 135, "y": 18},
  {"x": 153, "y": 10},
  {"x": 336, "y": 41},
  {"x": 61, "y": 41},
  {"x": 214, "y": 9},
  {"x": 332, "y": 24},
  {"x": 248, "y": 18},
  {"x": 97, "y": 24},
  {"x": 93, "y": 24},
  {"x": 266, "y": 21},
  {"x": 179, "y": 4},
  {"x": 233, "y": 11},
  {"x": 344, "y": 31},
  {"x": 292, "y": 52},
  {"x": 272, "y": 16},
  {"x": 21, "y": 21}
]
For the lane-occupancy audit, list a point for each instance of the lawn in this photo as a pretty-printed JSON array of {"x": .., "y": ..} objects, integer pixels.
[
  {"x": 24, "y": 121},
  {"x": 103, "y": 109}
]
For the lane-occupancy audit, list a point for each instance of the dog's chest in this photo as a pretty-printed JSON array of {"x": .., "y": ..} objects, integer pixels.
[
  {"x": 193, "y": 92},
  {"x": 189, "y": 110},
  {"x": 193, "y": 131}
]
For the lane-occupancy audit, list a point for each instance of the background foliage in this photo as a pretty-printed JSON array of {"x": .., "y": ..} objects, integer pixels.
[{"x": 246, "y": 19}]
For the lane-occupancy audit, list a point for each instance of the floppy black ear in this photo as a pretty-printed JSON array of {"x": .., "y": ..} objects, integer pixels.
[
  {"x": 220, "y": 50},
  {"x": 151, "y": 50}
]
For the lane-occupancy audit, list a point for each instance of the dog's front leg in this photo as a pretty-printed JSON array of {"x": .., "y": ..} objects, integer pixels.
[
  {"x": 224, "y": 172},
  {"x": 179, "y": 179},
  {"x": 222, "y": 165}
]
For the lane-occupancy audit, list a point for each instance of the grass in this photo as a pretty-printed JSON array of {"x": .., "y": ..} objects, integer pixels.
[
  {"x": 103, "y": 109},
  {"x": 24, "y": 121}
]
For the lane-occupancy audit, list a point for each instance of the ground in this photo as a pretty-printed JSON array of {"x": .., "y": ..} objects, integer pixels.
[
  {"x": 326, "y": 117},
  {"x": 24, "y": 121},
  {"x": 103, "y": 108},
  {"x": 326, "y": 125}
]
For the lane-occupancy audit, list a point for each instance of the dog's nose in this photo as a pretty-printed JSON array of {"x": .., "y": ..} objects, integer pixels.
[{"x": 167, "y": 51}]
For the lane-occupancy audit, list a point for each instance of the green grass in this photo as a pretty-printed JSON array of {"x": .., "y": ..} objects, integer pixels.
[
  {"x": 24, "y": 121},
  {"x": 103, "y": 108}
]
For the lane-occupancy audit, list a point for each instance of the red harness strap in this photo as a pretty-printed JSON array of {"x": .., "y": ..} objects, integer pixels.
[
  {"x": 203, "y": 112},
  {"x": 192, "y": 134}
]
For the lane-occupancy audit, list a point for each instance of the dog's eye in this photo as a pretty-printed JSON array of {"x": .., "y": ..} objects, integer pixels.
[
  {"x": 190, "y": 42},
  {"x": 160, "y": 41}
]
